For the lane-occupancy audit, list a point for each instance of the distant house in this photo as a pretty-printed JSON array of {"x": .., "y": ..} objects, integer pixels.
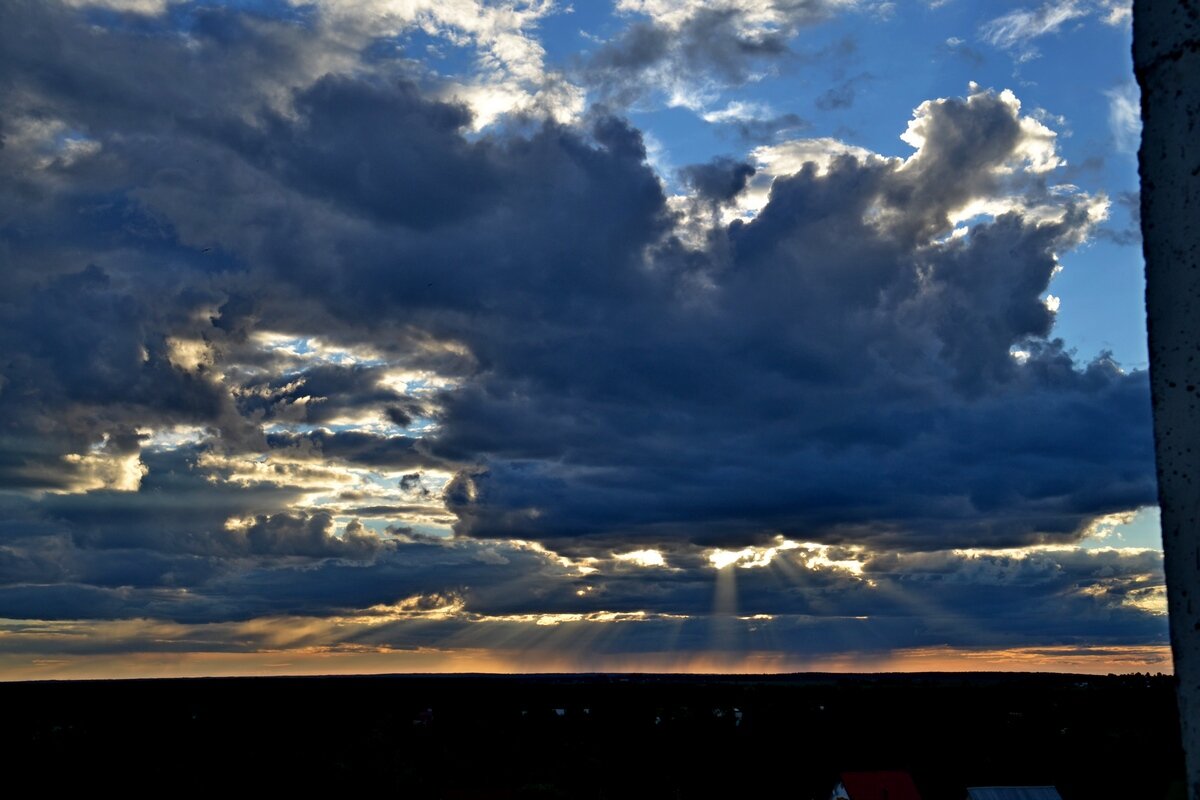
[
  {"x": 875, "y": 786},
  {"x": 1013, "y": 793}
]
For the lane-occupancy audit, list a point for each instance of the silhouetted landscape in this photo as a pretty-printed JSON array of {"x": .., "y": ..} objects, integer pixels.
[{"x": 599, "y": 736}]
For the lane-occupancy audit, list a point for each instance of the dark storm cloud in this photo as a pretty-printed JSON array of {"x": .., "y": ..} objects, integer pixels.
[
  {"x": 846, "y": 379},
  {"x": 92, "y": 277},
  {"x": 306, "y": 535},
  {"x": 177, "y": 509},
  {"x": 346, "y": 152},
  {"x": 82, "y": 362},
  {"x": 835, "y": 369},
  {"x": 840, "y": 368},
  {"x": 58, "y": 61},
  {"x": 366, "y": 449},
  {"x": 718, "y": 181}
]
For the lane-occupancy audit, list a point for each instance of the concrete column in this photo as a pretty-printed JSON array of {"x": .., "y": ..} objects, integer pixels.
[{"x": 1166, "y": 57}]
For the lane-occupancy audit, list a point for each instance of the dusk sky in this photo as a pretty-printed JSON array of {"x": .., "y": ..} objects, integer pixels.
[{"x": 654, "y": 335}]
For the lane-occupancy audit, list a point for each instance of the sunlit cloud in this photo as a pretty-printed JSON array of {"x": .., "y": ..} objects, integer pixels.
[
  {"x": 119, "y": 472},
  {"x": 746, "y": 558},
  {"x": 643, "y": 558},
  {"x": 189, "y": 355}
]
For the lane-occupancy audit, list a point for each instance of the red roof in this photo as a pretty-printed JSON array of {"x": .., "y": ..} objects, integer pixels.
[{"x": 880, "y": 786}]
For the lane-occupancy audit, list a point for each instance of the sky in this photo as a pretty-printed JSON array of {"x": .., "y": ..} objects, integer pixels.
[{"x": 651, "y": 335}]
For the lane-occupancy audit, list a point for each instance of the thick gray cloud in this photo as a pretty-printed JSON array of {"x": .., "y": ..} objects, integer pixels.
[{"x": 355, "y": 316}]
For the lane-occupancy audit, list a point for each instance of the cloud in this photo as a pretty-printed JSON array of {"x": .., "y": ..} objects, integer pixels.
[
  {"x": 843, "y": 94},
  {"x": 1040, "y": 598},
  {"x": 1125, "y": 117},
  {"x": 292, "y": 341},
  {"x": 1117, "y": 12},
  {"x": 304, "y": 535},
  {"x": 720, "y": 180},
  {"x": 1016, "y": 30},
  {"x": 128, "y": 6},
  {"x": 970, "y": 316},
  {"x": 509, "y": 77},
  {"x": 689, "y": 50},
  {"x": 755, "y": 122}
]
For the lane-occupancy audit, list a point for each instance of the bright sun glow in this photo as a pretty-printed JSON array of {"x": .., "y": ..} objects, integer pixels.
[{"x": 643, "y": 558}]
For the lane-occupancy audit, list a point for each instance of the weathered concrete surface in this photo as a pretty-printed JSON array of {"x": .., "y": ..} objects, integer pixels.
[{"x": 1166, "y": 56}]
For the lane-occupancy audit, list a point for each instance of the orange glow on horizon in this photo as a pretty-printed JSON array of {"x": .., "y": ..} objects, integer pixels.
[{"x": 363, "y": 661}]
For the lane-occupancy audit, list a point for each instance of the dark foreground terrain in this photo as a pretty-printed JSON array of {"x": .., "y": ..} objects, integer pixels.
[{"x": 595, "y": 736}]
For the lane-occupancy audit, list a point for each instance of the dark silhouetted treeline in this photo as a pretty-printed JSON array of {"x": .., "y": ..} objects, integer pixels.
[{"x": 596, "y": 736}]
